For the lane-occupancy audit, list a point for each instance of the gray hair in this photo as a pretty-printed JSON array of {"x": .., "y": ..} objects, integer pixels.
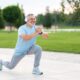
[{"x": 26, "y": 17}]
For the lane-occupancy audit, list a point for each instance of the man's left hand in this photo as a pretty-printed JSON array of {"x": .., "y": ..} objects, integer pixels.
[{"x": 45, "y": 35}]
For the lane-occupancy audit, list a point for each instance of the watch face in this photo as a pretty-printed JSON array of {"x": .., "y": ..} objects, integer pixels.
[{"x": 40, "y": 33}]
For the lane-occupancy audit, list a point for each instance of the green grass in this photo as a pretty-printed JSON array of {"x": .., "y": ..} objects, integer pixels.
[
  {"x": 62, "y": 41},
  {"x": 8, "y": 39},
  {"x": 64, "y": 26},
  {"x": 58, "y": 41}
]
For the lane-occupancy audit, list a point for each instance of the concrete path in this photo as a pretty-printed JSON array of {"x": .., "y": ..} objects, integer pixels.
[{"x": 56, "y": 66}]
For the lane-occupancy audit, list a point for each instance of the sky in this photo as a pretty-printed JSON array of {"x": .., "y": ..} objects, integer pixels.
[{"x": 33, "y": 6}]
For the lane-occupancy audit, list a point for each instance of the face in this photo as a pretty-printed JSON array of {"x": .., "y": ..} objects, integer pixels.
[{"x": 31, "y": 20}]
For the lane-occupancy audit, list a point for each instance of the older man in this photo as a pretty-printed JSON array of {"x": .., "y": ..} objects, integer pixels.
[{"x": 25, "y": 45}]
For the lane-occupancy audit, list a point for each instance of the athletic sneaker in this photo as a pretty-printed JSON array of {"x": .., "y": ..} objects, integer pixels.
[
  {"x": 36, "y": 71},
  {"x": 0, "y": 65}
]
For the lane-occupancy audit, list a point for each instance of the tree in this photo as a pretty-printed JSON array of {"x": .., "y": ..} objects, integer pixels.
[
  {"x": 12, "y": 15},
  {"x": 58, "y": 17},
  {"x": 75, "y": 17},
  {"x": 75, "y": 4},
  {"x": 39, "y": 20},
  {"x": 1, "y": 20},
  {"x": 47, "y": 21},
  {"x": 62, "y": 13},
  {"x": 63, "y": 6},
  {"x": 20, "y": 21}
]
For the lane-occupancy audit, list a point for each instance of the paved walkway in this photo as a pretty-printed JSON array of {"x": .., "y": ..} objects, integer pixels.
[{"x": 56, "y": 66}]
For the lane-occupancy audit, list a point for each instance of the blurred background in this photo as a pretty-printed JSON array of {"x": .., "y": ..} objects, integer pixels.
[{"x": 59, "y": 18}]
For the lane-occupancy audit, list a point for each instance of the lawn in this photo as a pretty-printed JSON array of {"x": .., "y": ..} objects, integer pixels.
[
  {"x": 63, "y": 26},
  {"x": 58, "y": 41}
]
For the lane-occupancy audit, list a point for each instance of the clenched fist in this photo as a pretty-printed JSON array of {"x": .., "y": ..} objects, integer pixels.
[{"x": 45, "y": 35}]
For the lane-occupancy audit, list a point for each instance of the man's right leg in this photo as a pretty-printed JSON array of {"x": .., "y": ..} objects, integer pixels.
[{"x": 14, "y": 61}]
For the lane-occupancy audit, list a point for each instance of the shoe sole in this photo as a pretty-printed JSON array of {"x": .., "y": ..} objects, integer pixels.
[{"x": 38, "y": 74}]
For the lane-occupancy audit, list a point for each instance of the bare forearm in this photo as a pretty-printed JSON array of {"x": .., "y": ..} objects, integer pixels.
[{"x": 28, "y": 37}]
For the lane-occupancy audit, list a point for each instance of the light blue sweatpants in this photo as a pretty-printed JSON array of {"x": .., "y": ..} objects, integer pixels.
[{"x": 35, "y": 49}]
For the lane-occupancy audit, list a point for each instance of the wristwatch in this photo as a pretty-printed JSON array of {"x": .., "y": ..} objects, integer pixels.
[{"x": 40, "y": 33}]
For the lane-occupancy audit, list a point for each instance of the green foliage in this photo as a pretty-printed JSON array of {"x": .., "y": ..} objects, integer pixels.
[
  {"x": 63, "y": 6},
  {"x": 74, "y": 19},
  {"x": 47, "y": 21},
  {"x": 1, "y": 20},
  {"x": 75, "y": 4},
  {"x": 58, "y": 17},
  {"x": 13, "y": 15},
  {"x": 39, "y": 20},
  {"x": 20, "y": 21}
]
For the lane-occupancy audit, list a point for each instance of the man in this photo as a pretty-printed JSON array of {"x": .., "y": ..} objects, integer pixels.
[{"x": 27, "y": 34}]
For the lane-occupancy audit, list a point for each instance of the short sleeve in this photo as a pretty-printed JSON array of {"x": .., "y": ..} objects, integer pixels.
[{"x": 21, "y": 31}]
